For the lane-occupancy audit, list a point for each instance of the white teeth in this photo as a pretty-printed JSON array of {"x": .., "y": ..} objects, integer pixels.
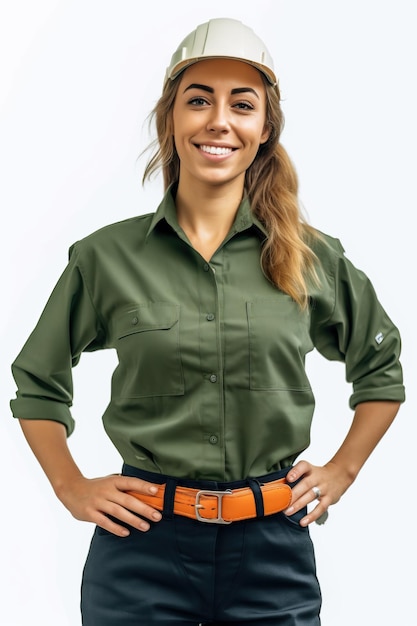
[{"x": 215, "y": 150}]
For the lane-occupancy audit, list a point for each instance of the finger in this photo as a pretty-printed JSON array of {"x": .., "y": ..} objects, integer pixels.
[
  {"x": 317, "y": 513},
  {"x": 303, "y": 492},
  {"x": 303, "y": 495},
  {"x": 112, "y": 527},
  {"x": 111, "y": 524},
  {"x": 122, "y": 504},
  {"x": 135, "y": 504},
  {"x": 114, "y": 513},
  {"x": 112, "y": 504},
  {"x": 130, "y": 483},
  {"x": 300, "y": 469}
]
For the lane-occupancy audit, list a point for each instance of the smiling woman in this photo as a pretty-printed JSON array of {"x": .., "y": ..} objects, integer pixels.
[
  {"x": 226, "y": 123},
  {"x": 218, "y": 124},
  {"x": 211, "y": 303}
]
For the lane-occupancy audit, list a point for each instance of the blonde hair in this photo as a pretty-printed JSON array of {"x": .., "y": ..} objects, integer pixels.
[{"x": 271, "y": 184}]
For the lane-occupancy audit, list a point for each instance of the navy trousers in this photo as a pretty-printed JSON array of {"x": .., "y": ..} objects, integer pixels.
[{"x": 184, "y": 572}]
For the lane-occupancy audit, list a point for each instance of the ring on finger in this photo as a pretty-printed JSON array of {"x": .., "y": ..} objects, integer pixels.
[{"x": 317, "y": 492}]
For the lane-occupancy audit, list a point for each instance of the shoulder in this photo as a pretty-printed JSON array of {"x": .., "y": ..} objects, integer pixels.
[
  {"x": 333, "y": 266},
  {"x": 322, "y": 243},
  {"x": 124, "y": 234},
  {"x": 327, "y": 249},
  {"x": 137, "y": 225}
]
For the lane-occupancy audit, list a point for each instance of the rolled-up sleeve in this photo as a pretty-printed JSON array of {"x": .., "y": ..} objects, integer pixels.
[
  {"x": 349, "y": 324},
  {"x": 68, "y": 326}
]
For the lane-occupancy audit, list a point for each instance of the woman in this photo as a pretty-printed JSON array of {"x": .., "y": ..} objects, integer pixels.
[{"x": 212, "y": 303}]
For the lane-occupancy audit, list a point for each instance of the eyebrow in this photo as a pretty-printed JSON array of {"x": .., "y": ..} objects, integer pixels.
[{"x": 211, "y": 90}]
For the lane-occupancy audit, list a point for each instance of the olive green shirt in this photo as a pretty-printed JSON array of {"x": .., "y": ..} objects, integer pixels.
[{"x": 210, "y": 381}]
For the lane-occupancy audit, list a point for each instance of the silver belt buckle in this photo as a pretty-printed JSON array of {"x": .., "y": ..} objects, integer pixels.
[{"x": 219, "y": 495}]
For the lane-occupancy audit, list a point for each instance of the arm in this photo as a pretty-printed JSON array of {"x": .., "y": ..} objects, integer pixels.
[
  {"x": 370, "y": 423},
  {"x": 91, "y": 500}
]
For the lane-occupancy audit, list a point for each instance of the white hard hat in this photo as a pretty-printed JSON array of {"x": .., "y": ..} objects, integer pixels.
[{"x": 224, "y": 38}]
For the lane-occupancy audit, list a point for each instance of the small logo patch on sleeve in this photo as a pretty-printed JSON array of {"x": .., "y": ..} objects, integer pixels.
[{"x": 379, "y": 338}]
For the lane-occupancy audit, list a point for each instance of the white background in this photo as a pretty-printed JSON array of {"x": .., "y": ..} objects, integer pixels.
[{"x": 77, "y": 81}]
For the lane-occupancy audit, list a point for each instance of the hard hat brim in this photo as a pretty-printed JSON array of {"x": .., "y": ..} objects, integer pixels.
[{"x": 176, "y": 70}]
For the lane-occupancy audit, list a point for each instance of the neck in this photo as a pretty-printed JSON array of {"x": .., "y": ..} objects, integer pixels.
[
  {"x": 206, "y": 213},
  {"x": 212, "y": 207}
]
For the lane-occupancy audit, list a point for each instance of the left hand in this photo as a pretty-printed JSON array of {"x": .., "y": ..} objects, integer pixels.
[{"x": 331, "y": 480}]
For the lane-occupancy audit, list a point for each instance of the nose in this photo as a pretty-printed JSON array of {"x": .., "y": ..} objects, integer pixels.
[{"x": 218, "y": 120}]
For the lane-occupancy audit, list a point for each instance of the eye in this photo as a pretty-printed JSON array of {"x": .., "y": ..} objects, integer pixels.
[
  {"x": 244, "y": 106},
  {"x": 198, "y": 101}
]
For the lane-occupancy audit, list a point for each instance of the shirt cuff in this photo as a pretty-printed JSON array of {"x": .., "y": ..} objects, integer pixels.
[
  {"x": 394, "y": 393},
  {"x": 39, "y": 409}
]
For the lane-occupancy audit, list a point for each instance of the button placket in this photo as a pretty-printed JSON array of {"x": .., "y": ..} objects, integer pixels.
[{"x": 211, "y": 363}]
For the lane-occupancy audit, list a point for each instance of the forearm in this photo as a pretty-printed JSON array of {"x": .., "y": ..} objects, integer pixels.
[
  {"x": 370, "y": 423},
  {"x": 48, "y": 441},
  {"x": 98, "y": 500}
]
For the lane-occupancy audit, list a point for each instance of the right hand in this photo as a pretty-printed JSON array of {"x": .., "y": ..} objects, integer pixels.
[{"x": 95, "y": 499}]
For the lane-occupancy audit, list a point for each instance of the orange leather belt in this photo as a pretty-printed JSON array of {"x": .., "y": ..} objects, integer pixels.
[{"x": 222, "y": 507}]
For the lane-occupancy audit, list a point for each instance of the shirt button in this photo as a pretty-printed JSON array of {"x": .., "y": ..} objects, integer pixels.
[
  {"x": 213, "y": 440},
  {"x": 213, "y": 378},
  {"x": 206, "y": 267},
  {"x": 134, "y": 321},
  {"x": 210, "y": 317}
]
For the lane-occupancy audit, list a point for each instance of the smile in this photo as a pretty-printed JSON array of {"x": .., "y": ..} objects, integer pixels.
[{"x": 216, "y": 150}]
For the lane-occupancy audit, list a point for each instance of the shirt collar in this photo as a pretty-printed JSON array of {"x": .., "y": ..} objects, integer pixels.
[{"x": 244, "y": 219}]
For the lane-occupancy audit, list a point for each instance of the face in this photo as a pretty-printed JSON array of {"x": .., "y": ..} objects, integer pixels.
[{"x": 218, "y": 121}]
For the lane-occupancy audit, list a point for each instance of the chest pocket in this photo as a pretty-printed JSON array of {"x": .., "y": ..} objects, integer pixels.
[
  {"x": 149, "y": 352},
  {"x": 278, "y": 342}
]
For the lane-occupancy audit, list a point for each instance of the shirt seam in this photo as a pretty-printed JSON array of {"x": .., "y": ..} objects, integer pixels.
[{"x": 100, "y": 319}]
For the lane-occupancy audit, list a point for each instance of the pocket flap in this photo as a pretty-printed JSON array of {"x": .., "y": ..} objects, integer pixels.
[{"x": 150, "y": 316}]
